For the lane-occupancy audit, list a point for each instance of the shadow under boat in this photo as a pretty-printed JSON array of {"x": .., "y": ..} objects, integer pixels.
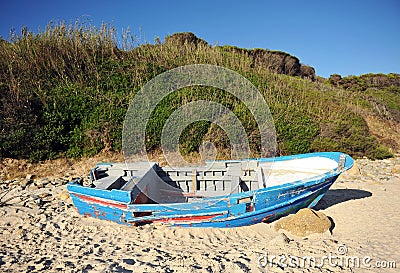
[{"x": 337, "y": 196}]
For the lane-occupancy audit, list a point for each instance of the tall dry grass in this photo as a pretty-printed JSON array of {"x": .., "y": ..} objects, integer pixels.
[{"x": 65, "y": 91}]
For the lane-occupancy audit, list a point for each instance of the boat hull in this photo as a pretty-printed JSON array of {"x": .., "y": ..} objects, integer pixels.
[{"x": 239, "y": 209}]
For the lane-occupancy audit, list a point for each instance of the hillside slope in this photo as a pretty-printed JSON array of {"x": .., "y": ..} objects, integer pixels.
[{"x": 65, "y": 92}]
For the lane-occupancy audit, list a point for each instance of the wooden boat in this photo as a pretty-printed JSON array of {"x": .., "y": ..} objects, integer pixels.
[{"x": 221, "y": 194}]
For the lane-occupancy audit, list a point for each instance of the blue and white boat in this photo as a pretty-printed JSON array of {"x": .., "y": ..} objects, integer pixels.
[{"x": 228, "y": 193}]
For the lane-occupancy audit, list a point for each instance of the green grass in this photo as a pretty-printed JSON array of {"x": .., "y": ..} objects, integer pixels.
[{"x": 65, "y": 92}]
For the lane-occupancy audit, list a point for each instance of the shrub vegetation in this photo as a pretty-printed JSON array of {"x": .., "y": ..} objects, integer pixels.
[{"x": 65, "y": 92}]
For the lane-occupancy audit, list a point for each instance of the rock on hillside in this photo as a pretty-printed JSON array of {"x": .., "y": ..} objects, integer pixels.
[
  {"x": 361, "y": 83},
  {"x": 184, "y": 38},
  {"x": 275, "y": 61},
  {"x": 282, "y": 63}
]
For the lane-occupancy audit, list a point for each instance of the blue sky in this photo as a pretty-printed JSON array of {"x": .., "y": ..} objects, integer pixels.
[{"x": 344, "y": 37}]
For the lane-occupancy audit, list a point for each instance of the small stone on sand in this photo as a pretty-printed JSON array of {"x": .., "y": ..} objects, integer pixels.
[{"x": 64, "y": 195}]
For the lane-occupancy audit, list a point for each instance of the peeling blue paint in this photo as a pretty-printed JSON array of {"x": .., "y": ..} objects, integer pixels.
[{"x": 266, "y": 204}]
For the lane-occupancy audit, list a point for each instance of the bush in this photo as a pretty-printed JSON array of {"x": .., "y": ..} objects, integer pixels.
[{"x": 65, "y": 92}]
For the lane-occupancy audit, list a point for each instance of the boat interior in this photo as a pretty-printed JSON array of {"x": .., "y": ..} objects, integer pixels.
[{"x": 166, "y": 184}]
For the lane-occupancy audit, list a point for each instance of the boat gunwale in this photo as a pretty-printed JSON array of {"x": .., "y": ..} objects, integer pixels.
[{"x": 305, "y": 182}]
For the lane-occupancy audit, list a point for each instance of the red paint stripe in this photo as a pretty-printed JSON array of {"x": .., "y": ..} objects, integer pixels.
[
  {"x": 188, "y": 218},
  {"x": 101, "y": 202},
  {"x": 166, "y": 220}
]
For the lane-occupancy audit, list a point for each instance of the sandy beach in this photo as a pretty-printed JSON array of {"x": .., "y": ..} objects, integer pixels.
[{"x": 40, "y": 231}]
